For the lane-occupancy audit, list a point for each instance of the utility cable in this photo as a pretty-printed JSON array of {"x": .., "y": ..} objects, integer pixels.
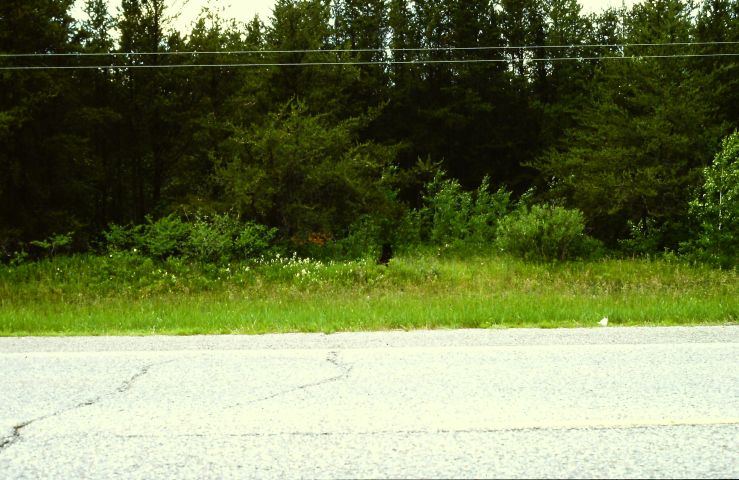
[
  {"x": 383, "y": 63},
  {"x": 364, "y": 50}
]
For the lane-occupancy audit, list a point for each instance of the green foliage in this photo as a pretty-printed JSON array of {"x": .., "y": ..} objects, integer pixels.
[
  {"x": 215, "y": 239},
  {"x": 363, "y": 239},
  {"x": 717, "y": 207},
  {"x": 640, "y": 141},
  {"x": 211, "y": 238},
  {"x": 452, "y": 215},
  {"x": 254, "y": 241},
  {"x": 164, "y": 237},
  {"x": 304, "y": 174},
  {"x": 644, "y": 238},
  {"x": 326, "y": 155},
  {"x": 545, "y": 233},
  {"x": 120, "y": 238},
  {"x": 129, "y": 294},
  {"x": 55, "y": 243}
]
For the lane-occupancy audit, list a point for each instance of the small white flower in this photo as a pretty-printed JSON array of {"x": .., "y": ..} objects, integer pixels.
[{"x": 603, "y": 322}]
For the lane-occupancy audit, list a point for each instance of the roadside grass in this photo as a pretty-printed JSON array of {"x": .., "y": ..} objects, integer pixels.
[{"x": 125, "y": 294}]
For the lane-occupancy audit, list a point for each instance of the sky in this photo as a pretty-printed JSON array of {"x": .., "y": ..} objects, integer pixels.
[{"x": 245, "y": 10}]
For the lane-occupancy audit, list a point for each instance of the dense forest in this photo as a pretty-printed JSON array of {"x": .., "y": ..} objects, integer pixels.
[{"x": 337, "y": 117}]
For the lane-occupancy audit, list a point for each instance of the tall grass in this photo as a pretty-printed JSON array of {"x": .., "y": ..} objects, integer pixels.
[{"x": 128, "y": 294}]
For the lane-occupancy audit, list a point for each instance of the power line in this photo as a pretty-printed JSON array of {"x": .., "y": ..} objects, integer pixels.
[
  {"x": 365, "y": 50},
  {"x": 383, "y": 63}
]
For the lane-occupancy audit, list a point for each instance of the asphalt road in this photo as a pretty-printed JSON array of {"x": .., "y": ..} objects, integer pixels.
[{"x": 591, "y": 403}]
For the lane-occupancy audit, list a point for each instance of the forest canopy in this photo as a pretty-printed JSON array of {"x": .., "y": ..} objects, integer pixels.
[{"x": 343, "y": 119}]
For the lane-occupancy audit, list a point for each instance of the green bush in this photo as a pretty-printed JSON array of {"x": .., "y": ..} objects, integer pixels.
[
  {"x": 716, "y": 209},
  {"x": 120, "y": 238},
  {"x": 211, "y": 238},
  {"x": 217, "y": 238},
  {"x": 487, "y": 211},
  {"x": 165, "y": 237},
  {"x": 644, "y": 238},
  {"x": 363, "y": 240},
  {"x": 545, "y": 233},
  {"x": 254, "y": 241},
  {"x": 54, "y": 244},
  {"x": 453, "y": 216}
]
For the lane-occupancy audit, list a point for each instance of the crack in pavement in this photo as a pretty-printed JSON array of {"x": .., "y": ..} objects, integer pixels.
[
  {"x": 7, "y": 442},
  {"x": 440, "y": 431},
  {"x": 331, "y": 358}
]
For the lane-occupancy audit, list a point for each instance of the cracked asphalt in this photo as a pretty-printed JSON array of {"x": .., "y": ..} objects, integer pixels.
[{"x": 577, "y": 403}]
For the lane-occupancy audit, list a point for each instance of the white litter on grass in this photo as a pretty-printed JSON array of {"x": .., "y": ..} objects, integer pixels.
[{"x": 603, "y": 322}]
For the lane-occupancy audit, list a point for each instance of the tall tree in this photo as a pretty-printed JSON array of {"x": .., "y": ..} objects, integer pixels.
[
  {"x": 39, "y": 159},
  {"x": 644, "y": 136},
  {"x": 562, "y": 87},
  {"x": 300, "y": 30},
  {"x": 209, "y": 103},
  {"x": 717, "y": 24},
  {"x": 361, "y": 27},
  {"x": 150, "y": 133},
  {"x": 303, "y": 173}
]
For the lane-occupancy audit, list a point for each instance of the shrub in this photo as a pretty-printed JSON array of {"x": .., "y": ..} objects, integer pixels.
[
  {"x": 254, "y": 240},
  {"x": 119, "y": 238},
  {"x": 211, "y": 238},
  {"x": 644, "y": 238},
  {"x": 216, "y": 238},
  {"x": 448, "y": 210},
  {"x": 452, "y": 215},
  {"x": 165, "y": 237},
  {"x": 363, "y": 239},
  {"x": 54, "y": 244},
  {"x": 545, "y": 233},
  {"x": 487, "y": 211}
]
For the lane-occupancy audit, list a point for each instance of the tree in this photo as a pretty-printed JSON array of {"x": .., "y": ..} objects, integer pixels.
[
  {"x": 361, "y": 26},
  {"x": 206, "y": 103},
  {"x": 644, "y": 137},
  {"x": 299, "y": 30},
  {"x": 561, "y": 90},
  {"x": 150, "y": 136},
  {"x": 717, "y": 206},
  {"x": 718, "y": 21},
  {"x": 303, "y": 173},
  {"x": 40, "y": 160}
]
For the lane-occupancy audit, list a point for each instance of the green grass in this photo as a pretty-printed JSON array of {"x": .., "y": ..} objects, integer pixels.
[{"x": 126, "y": 294}]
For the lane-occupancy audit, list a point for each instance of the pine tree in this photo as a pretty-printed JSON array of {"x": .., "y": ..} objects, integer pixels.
[
  {"x": 40, "y": 160},
  {"x": 643, "y": 139}
]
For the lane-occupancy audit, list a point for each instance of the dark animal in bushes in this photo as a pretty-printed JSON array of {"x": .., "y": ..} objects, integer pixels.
[{"x": 385, "y": 254}]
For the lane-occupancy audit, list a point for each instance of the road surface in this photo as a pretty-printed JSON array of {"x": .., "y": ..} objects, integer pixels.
[{"x": 587, "y": 403}]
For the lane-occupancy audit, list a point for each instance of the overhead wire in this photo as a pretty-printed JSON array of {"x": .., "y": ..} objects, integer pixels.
[
  {"x": 365, "y": 50},
  {"x": 384, "y": 62}
]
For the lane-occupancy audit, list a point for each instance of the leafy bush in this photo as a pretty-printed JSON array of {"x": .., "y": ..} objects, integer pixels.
[
  {"x": 165, "y": 237},
  {"x": 644, "y": 238},
  {"x": 54, "y": 244},
  {"x": 120, "y": 238},
  {"x": 254, "y": 241},
  {"x": 216, "y": 238},
  {"x": 717, "y": 207},
  {"x": 454, "y": 216},
  {"x": 212, "y": 238},
  {"x": 487, "y": 211},
  {"x": 363, "y": 239},
  {"x": 545, "y": 233}
]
